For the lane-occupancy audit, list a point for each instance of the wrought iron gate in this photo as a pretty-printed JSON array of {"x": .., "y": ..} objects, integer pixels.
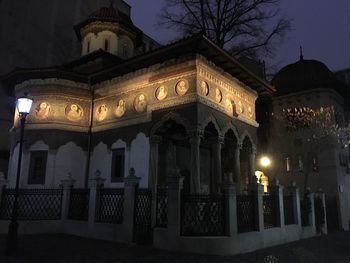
[{"x": 143, "y": 232}]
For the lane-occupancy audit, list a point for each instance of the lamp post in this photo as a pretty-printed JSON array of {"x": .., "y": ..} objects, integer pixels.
[{"x": 23, "y": 105}]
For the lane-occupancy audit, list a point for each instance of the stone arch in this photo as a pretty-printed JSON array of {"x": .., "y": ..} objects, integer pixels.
[
  {"x": 246, "y": 135},
  {"x": 229, "y": 127},
  {"x": 210, "y": 119},
  {"x": 171, "y": 116}
]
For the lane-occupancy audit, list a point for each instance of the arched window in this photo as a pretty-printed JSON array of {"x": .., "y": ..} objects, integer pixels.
[
  {"x": 88, "y": 47},
  {"x": 314, "y": 163},
  {"x": 125, "y": 50},
  {"x": 106, "y": 45},
  {"x": 300, "y": 163},
  {"x": 287, "y": 164}
]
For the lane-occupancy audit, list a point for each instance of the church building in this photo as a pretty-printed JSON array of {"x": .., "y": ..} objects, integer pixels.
[{"x": 129, "y": 102}]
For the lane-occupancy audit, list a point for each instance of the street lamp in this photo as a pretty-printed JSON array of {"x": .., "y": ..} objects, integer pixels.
[{"x": 23, "y": 105}]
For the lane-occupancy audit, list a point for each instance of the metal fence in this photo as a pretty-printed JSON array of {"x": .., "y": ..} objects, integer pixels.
[
  {"x": 143, "y": 232},
  {"x": 288, "y": 207},
  {"x": 33, "y": 204},
  {"x": 246, "y": 213},
  {"x": 202, "y": 215},
  {"x": 305, "y": 209},
  {"x": 162, "y": 208},
  {"x": 110, "y": 206},
  {"x": 79, "y": 204},
  {"x": 270, "y": 210}
]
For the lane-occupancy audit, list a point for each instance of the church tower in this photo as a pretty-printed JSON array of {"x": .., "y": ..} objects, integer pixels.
[{"x": 110, "y": 29}]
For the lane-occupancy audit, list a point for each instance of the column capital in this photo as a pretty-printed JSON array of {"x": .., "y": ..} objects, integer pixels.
[
  {"x": 239, "y": 146},
  {"x": 132, "y": 179},
  {"x": 68, "y": 182},
  {"x": 97, "y": 180},
  {"x": 155, "y": 139},
  {"x": 221, "y": 139},
  {"x": 197, "y": 133}
]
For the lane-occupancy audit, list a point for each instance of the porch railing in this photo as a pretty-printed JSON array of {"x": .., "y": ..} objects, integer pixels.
[
  {"x": 246, "y": 213},
  {"x": 33, "y": 204},
  {"x": 79, "y": 204},
  {"x": 110, "y": 206}
]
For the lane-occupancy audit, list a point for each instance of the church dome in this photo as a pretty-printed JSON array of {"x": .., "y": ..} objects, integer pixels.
[{"x": 304, "y": 75}]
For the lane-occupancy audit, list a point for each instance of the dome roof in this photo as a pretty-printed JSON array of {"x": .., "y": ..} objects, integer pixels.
[
  {"x": 109, "y": 14},
  {"x": 304, "y": 75},
  {"x": 106, "y": 13}
]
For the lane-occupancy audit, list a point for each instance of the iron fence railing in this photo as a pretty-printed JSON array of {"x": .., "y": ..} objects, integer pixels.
[
  {"x": 79, "y": 204},
  {"x": 33, "y": 204},
  {"x": 288, "y": 207},
  {"x": 305, "y": 209},
  {"x": 202, "y": 215},
  {"x": 143, "y": 232},
  {"x": 270, "y": 210},
  {"x": 110, "y": 206},
  {"x": 246, "y": 213},
  {"x": 162, "y": 208}
]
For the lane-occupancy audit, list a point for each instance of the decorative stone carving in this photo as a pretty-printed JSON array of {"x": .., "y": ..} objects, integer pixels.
[
  {"x": 218, "y": 95},
  {"x": 101, "y": 113},
  {"x": 74, "y": 112},
  {"x": 42, "y": 110},
  {"x": 204, "y": 88},
  {"x": 250, "y": 112},
  {"x": 161, "y": 93},
  {"x": 181, "y": 87},
  {"x": 229, "y": 106},
  {"x": 240, "y": 107},
  {"x": 120, "y": 110},
  {"x": 140, "y": 103}
]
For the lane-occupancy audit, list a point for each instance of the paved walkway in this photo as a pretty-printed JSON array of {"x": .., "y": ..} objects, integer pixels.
[{"x": 334, "y": 248}]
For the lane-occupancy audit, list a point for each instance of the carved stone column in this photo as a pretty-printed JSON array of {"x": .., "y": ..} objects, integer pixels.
[
  {"x": 237, "y": 166},
  {"x": 252, "y": 160},
  {"x": 153, "y": 172},
  {"x": 217, "y": 176},
  {"x": 153, "y": 161},
  {"x": 195, "y": 141}
]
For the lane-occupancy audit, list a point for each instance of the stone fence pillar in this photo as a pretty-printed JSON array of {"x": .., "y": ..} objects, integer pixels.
[
  {"x": 320, "y": 194},
  {"x": 277, "y": 191},
  {"x": 258, "y": 190},
  {"x": 174, "y": 182},
  {"x": 95, "y": 184},
  {"x": 294, "y": 192},
  {"x": 231, "y": 208},
  {"x": 130, "y": 185},
  {"x": 67, "y": 185}
]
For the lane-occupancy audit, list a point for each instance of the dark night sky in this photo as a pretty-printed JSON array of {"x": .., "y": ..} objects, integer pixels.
[{"x": 322, "y": 27}]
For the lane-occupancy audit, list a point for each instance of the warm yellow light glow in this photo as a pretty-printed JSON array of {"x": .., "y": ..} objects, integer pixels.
[
  {"x": 262, "y": 179},
  {"x": 265, "y": 161}
]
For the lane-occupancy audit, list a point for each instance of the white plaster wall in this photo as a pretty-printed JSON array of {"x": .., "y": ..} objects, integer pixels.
[
  {"x": 101, "y": 159},
  {"x": 70, "y": 158},
  {"x": 139, "y": 158},
  {"x": 98, "y": 42}
]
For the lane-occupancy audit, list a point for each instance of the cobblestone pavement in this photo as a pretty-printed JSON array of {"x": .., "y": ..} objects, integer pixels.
[{"x": 334, "y": 248}]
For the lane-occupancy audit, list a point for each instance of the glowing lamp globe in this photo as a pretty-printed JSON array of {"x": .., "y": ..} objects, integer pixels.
[
  {"x": 265, "y": 161},
  {"x": 24, "y": 104}
]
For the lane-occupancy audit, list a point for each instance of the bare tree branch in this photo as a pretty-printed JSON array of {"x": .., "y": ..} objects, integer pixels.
[{"x": 241, "y": 26}]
